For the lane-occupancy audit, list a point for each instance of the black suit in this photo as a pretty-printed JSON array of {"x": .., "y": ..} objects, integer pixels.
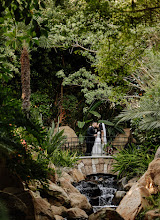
[{"x": 90, "y": 140}]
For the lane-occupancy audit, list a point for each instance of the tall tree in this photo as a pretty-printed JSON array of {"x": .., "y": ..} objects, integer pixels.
[{"x": 25, "y": 79}]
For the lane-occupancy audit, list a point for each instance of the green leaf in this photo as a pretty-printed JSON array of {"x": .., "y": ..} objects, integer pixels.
[
  {"x": 81, "y": 124},
  {"x": 42, "y": 4},
  {"x": 106, "y": 122},
  {"x": 95, "y": 114},
  {"x": 97, "y": 104}
]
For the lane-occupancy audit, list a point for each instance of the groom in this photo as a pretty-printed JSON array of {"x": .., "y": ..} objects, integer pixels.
[{"x": 91, "y": 134}]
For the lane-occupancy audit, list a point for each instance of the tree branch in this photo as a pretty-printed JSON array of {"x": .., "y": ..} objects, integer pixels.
[
  {"x": 141, "y": 10},
  {"x": 80, "y": 46}
]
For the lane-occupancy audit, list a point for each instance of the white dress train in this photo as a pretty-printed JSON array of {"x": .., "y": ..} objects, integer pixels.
[{"x": 97, "y": 147}]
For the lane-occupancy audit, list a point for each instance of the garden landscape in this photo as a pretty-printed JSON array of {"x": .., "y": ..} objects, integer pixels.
[{"x": 80, "y": 110}]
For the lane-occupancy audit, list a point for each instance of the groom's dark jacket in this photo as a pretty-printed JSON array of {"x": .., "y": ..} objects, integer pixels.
[{"x": 90, "y": 135}]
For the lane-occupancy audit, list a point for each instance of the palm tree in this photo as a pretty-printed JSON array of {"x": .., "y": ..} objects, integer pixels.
[
  {"x": 148, "y": 112},
  {"x": 25, "y": 79}
]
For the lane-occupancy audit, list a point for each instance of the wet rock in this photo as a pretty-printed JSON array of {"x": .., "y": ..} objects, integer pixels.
[
  {"x": 80, "y": 201},
  {"x": 122, "y": 182},
  {"x": 16, "y": 208},
  {"x": 133, "y": 180},
  {"x": 105, "y": 214},
  {"x": 94, "y": 201},
  {"x": 76, "y": 214},
  {"x": 110, "y": 183},
  {"x": 91, "y": 192},
  {"x": 128, "y": 186},
  {"x": 118, "y": 197},
  {"x": 152, "y": 214}
]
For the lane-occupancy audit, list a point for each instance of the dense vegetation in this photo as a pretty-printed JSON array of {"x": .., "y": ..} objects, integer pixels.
[{"x": 75, "y": 61}]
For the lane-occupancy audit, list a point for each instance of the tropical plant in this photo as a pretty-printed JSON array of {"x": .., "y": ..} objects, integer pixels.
[
  {"x": 64, "y": 158},
  {"x": 86, "y": 120},
  {"x": 148, "y": 111},
  {"x": 111, "y": 128},
  {"x": 54, "y": 140},
  {"x": 133, "y": 161}
]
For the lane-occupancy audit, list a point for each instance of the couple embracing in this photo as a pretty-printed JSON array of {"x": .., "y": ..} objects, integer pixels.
[{"x": 96, "y": 139}]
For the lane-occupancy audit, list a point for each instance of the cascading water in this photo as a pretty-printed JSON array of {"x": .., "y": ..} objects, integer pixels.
[{"x": 99, "y": 190}]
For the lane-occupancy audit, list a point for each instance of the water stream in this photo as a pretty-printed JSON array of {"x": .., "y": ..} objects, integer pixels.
[{"x": 99, "y": 190}]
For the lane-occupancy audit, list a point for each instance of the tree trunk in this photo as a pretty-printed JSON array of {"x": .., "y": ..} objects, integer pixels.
[{"x": 25, "y": 79}]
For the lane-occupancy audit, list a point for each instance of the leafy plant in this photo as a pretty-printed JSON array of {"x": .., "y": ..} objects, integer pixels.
[
  {"x": 86, "y": 120},
  {"x": 54, "y": 140},
  {"x": 111, "y": 128},
  {"x": 133, "y": 161},
  {"x": 64, "y": 158}
]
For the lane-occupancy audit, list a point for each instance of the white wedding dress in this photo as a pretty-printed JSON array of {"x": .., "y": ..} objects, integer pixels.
[{"x": 97, "y": 147}]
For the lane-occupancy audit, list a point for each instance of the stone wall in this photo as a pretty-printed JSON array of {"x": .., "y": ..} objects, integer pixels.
[{"x": 94, "y": 165}]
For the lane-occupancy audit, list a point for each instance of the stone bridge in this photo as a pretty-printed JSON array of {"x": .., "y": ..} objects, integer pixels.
[{"x": 96, "y": 164}]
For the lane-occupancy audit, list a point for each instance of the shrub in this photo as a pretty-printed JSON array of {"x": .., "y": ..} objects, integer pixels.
[
  {"x": 133, "y": 161},
  {"x": 64, "y": 158}
]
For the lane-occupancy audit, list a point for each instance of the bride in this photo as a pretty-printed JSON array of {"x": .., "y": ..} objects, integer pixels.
[
  {"x": 97, "y": 147},
  {"x": 99, "y": 144}
]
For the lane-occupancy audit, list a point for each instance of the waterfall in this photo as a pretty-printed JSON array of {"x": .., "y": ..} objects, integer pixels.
[{"x": 99, "y": 190}]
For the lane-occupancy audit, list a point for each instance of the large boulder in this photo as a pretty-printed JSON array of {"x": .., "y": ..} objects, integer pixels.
[
  {"x": 16, "y": 208},
  {"x": 42, "y": 210},
  {"x": 72, "y": 138},
  {"x": 66, "y": 176},
  {"x": 157, "y": 155},
  {"x": 105, "y": 214},
  {"x": 38, "y": 208},
  {"x": 76, "y": 213},
  {"x": 154, "y": 175},
  {"x": 80, "y": 201},
  {"x": 56, "y": 195},
  {"x": 136, "y": 199},
  {"x": 77, "y": 175},
  {"x": 122, "y": 139},
  {"x": 133, "y": 202},
  {"x": 58, "y": 217},
  {"x": 61, "y": 210},
  {"x": 118, "y": 197},
  {"x": 67, "y": 186},
  {"x": 7, "y": 178}
]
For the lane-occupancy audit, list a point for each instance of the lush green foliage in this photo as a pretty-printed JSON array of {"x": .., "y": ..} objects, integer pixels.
[
  {"x": 133, "y": 160},
  {"x": 64, "y": 158},
  {"x": 81, "y": 52}
]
